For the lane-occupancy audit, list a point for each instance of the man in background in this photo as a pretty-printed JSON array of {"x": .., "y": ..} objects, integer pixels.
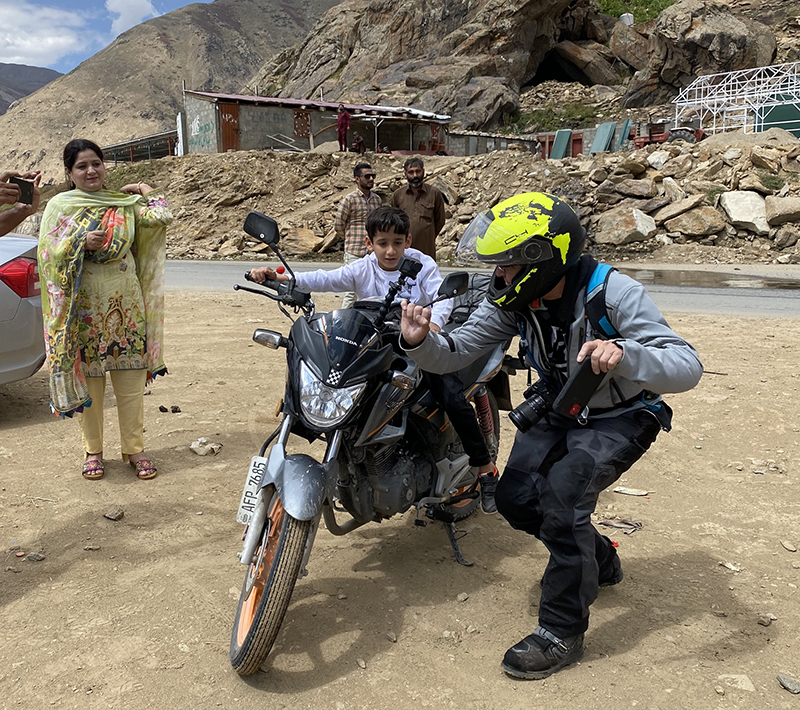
[
  {"x": 359, "y": 146},
  {"x": 423, "y": 204},
  {"x": 351, "y": 218},
  {"x": 342, "y": 126}
]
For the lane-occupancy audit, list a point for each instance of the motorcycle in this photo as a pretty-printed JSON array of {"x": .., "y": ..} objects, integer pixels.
[{"x": 388, "y": 444}]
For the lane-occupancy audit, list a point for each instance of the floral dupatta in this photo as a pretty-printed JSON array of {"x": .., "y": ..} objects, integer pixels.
[{"x": 66, "y": 220}]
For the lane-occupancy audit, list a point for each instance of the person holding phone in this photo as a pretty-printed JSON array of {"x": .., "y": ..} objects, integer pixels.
[
  {"x": 559, "y": 465},
  {"x": 102, "y": 256},
  {"x": 11, "y": 194}
]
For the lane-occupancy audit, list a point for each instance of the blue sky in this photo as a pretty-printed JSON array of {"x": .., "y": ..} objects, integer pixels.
[{"x": 60, "y": 34}]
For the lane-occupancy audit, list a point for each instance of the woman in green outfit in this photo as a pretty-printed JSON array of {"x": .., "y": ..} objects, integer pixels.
[{"x": 101, "y": 265}]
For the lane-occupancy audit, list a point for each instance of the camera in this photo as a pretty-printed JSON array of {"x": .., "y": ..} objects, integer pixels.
[
  {"x": 570, "y": 401},
  {"x": 25, "y": 189},
  {"x": 539, "y": 398}
]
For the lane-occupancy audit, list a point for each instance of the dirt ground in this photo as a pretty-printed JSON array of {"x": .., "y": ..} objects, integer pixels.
[{"x": 137, "y": 613}]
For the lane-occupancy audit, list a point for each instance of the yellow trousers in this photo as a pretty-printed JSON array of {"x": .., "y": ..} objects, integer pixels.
[{"x": 129, "y": 392}]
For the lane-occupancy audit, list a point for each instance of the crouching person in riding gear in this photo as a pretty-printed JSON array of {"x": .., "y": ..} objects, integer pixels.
[{"x": 545, "y": 290}]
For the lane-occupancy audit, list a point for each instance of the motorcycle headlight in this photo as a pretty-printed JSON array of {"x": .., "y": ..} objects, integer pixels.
[{"x": 325, "y": 406}]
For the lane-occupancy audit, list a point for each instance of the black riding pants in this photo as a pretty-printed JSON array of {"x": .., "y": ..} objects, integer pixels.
[
  {"x": 549, "y": 489},
  {"x": 448, "y": 390}
]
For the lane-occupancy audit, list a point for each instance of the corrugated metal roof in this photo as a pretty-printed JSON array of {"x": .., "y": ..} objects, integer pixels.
[{"x": 377, "y": 111}]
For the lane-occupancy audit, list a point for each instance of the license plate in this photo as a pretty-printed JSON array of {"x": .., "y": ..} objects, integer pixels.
[{"x": 258, "y": 466}]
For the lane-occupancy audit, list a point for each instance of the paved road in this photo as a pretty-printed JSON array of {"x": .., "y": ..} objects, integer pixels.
[{"x": 760, "y": 297}]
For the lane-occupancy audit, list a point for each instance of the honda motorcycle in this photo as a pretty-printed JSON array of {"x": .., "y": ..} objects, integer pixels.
[{"x": 388, "y": 444}]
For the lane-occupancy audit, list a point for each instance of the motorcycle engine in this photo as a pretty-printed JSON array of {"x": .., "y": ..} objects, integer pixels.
[{"x": 392, "y": 476}]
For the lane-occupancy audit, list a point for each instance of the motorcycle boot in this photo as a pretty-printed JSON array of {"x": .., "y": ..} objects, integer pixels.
[
  {"x": 541, "y": 654},
  {"x": 488, "y": 486}
]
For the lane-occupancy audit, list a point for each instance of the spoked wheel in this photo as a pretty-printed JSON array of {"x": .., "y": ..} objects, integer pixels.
[
  {"x": 267, "y": 588},
  {"x": 463, "y": 509}
]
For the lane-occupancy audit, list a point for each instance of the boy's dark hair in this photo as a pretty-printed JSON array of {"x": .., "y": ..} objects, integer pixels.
[
  {"x": 387, "y": 219},
  {"x": 359, "y": 167},
  {"x": 413, "y": 161}
]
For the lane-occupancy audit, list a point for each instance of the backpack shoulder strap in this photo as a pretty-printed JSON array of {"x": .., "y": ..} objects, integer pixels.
[{"x": 596, "y": 302}]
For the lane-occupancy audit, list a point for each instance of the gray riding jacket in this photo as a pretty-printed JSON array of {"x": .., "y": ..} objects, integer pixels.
[{"x": 655, "y": 358}]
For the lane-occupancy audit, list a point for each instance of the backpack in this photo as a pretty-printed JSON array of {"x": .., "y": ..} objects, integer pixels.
[{"x": 596, "y": 302}]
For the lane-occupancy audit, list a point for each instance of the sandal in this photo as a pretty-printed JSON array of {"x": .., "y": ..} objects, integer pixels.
[
  {"x": 144, "y": 469},
  {"x": 93, "y": 469}
]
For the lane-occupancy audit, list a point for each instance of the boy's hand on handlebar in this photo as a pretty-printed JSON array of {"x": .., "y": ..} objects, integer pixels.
[
  {"x": 415, "y": 323},
  {"x": 265, "y": 273}
]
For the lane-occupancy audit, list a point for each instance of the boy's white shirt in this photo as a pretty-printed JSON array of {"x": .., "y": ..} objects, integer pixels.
[{"x": 368, "y": 280}]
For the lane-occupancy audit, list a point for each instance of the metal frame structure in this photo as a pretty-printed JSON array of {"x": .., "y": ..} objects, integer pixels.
[{"x": 741, "y": 99}]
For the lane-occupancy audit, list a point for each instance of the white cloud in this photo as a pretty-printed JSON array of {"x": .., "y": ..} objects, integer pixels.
[
  {"x": 39, "y": 36},
  {"x": 129, "y": 13}
]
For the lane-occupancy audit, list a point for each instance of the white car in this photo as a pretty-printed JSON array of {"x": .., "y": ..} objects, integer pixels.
[{"x": 21, "y": 330}]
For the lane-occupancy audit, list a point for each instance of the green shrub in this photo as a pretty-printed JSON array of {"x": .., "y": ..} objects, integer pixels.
[
  {"x": 711, "y": 195},
  {"x": 771, "y": 182},
  {"x": 552, "y": 119},
  {"x": 642, "y": 10}
]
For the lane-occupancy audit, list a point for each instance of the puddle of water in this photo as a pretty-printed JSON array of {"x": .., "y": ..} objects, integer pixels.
[{"x": 707, "y": 279}]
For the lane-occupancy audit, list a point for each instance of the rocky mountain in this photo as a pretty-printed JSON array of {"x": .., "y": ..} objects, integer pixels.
[
  {"x": 18, "y": 80},
  {"x": 471, "y": 58},
  {"x": 133, "y": 87}
]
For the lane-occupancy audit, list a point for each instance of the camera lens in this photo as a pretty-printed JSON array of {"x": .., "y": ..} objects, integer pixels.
[{"x": 529, "y": 412}]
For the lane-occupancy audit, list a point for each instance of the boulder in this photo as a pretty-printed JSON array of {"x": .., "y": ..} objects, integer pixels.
[
  {"x": 699, "y": 222},
  {"x": 695, "y": 37},
  {"x": 658, "y": 158},
  {"x": 745, "y": 210},
  {"x": 787, "y": 236},
  {"x": 586, "y": 64},
  {"x": 766, "y": 159},
  {"x": 779, "y": 210},
  {"x": 300, "y": 240},
  {"x": 672, "y": 190},
  {"x": 637, "y": 188},
  {"x": 629, "y": 46},
  {"x": 754, "y": 183},
  {"x": 622, "y": 226},
  {"x": 678, "y": 208},
  {"x": 635, "y": 164}
]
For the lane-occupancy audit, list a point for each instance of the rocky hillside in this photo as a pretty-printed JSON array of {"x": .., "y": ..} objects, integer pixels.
[
  {"x": 471, "y": 59},
  {"x": 18, "y": 80},
  {"x": 133, "y": 87},
  {"x": 731, "y": 198}
]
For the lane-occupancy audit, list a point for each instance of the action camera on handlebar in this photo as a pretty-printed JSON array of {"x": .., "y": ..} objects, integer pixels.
[{"x": 571, "y": 401}]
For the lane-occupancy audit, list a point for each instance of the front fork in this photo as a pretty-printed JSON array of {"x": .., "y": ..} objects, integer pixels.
[{"x": 277, "y": 458}]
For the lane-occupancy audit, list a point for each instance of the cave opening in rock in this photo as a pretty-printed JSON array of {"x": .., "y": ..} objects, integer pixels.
[{"x": 555, "y": 68}]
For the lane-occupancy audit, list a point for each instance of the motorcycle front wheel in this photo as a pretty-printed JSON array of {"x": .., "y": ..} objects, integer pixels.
[{"x": 267, "y": 588}]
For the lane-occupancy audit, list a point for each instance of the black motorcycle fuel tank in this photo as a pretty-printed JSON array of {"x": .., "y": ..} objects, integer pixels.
[{"x": 341, "y": 346}]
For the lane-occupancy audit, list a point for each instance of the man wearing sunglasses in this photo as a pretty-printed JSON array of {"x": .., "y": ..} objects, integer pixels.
[{"x": 351, "y": 218}]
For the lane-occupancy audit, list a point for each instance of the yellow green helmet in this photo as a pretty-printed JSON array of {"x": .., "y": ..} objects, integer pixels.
[{"x": 540, "y": 232}]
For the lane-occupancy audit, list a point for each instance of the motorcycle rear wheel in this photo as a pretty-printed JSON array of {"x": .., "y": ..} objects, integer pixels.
[
  {"x": 260, "y": 613},
  {"x": 462, "y": 510}
]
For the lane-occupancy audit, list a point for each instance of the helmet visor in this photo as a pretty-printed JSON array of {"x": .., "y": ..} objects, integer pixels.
[
  {"x": 470, "y": 250},
  {"x": 467, "y": 250}
]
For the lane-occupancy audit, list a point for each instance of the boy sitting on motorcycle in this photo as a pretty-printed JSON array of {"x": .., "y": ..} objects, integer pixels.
[{"x": 388, "y": 240}]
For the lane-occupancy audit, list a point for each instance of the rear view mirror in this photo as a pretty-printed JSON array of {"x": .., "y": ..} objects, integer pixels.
[
  {"x": 262, "y": 227},
  {"x": 454, "y": 284}
]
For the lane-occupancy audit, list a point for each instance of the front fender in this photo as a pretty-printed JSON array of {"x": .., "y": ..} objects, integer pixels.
[{"x": 300, "y": 480}]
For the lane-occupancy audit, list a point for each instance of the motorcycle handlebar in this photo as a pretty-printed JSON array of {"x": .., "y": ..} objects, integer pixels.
[{"x": 286, "y": 294}]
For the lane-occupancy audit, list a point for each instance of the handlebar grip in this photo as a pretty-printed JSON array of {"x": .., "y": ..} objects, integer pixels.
[{"x": 267, "y": 282}]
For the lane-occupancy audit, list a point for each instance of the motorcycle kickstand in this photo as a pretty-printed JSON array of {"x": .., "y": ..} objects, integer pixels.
[{"x": 451, "y": 535}]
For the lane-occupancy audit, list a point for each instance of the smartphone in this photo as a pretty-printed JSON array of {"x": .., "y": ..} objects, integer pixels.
[
  {"x": 578, "y": 390},
  {"x": 25, "y": 189}
]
